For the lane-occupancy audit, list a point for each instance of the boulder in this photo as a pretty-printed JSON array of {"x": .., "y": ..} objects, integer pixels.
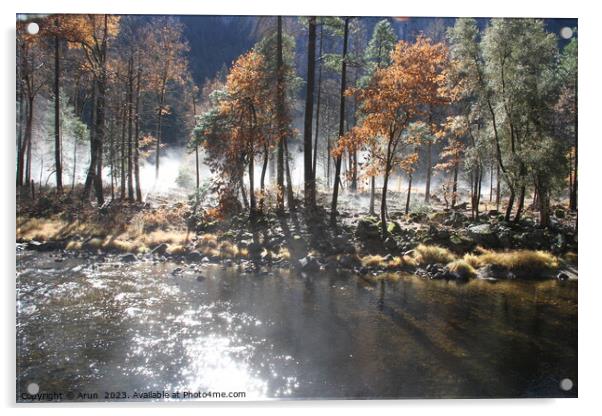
[
  {"x": 348, "y": 261},
  {"x": 128, "y": 258},
  {"x": 194, "y": 256},
  {"x": 483, "y": 234},
  {"x": 562, "y": 276},
  {"x": 367, "y": 228},
  {"x": 390, "y": 243},
  {"x": 160, "y": 249}
]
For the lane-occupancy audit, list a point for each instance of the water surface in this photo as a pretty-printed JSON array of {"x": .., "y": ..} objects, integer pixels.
[{"x": 95, "y": 325}]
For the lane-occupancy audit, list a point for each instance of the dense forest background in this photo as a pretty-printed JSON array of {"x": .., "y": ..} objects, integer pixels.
[{"x": 106, "y": 100}]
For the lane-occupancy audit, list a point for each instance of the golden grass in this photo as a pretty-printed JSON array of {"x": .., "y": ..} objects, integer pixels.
[
  {"x": 520, "y": 261},
  {"x": 39, "y": 229},
  {"x": 159, "y": 237},
  {"x": 73, "y": 245},
  {"x": 177, "y": 249},
  {"x": 373, "y": 260},
  {"x": 424, "y": 254},
  {"x": 228, "y": 249},
  {"x": 472, "y": 260},
  {"x": 208, "y": 240},
  {"x": 463, "y": 268}
]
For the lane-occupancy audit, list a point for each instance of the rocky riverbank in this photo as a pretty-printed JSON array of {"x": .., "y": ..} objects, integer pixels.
[{"x": 442, "y": 244}]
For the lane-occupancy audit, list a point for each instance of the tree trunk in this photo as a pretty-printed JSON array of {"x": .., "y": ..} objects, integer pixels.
[
  {"x": 337, "y": 174},
  {"x": 308, "y": 176},
  {"x": 158, "y": 130},
  {"x": 498, "y": 188},
  {"x": 290, "y": 197},
  {"x": 57, "y": 117},
  {"x": 454, "y": 187},
  {"x": 137, "y": 137},
  {"x": 130, "y": 109},
  {"x": 89, "y": 182},
  {"x": 372, "y": 194},
  {"x": 315, "y": 158},
  {"x": 521, "y": 203},
  {"x": 253, "y": 204},
  {"x": 409, "y": 193},
  {"x": 427, "y": 189},
  {"x": 491, "y": 183},
  {"x": 25, "y": 143},
  {"x": 510, "y": 205},
  {"x": 573, "y": 198},
  {"x": 383, "y": 201},
  {"x": 280, "y": 118},
  {"x": 122, "y": 154},
  {"x": 264, "y": 168}
]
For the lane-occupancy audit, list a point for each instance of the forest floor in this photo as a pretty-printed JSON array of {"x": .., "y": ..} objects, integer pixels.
[{"x": 431, "y": 241}]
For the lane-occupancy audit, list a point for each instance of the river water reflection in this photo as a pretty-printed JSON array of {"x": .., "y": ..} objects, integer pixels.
[{"x": 110, "y": 327}]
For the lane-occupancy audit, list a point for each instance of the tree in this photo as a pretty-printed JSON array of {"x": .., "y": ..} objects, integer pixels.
[
  {"x": 568, "y": 104},
  {"x": 337, "y": 174},
  {"x": 31, "y": 66},
  {"x": 92, "y": 34},
  {"x": 309, "y": 175},
  {"x": 378, "y": 55},
  {"x": 170, "y": 65},
  {"x": 396, "y": 96}
]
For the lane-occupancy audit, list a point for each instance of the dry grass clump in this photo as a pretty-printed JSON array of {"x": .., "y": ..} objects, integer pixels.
[
  {"x": 125, "y": 246},
  {"x": 39, "y": 229},
  {"x": 207, "y": 240},
  {"x": 228, "y": 250},
  {"x": 373, "y": 261},
  {"x": 463, "y": 268},
  {"x": 176, "y": 249},
  {"x": 472, "y": 260},
  {"x": 162, "y": 218},
  {"x": 73, "y": 245},
  {"x": 159, "y": 237},
  {"x": 520, "y": 261},
  {"x": 424, "y": 254}
]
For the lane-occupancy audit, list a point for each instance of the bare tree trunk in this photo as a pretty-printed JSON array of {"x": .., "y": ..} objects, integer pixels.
[
  {"x": 409, "y": 193},
  {"x": 137, "y": 137},
  {"x": 264, "y": 168},
  {"x": 309, "y": 177},
  {"x": 383, "y": 201},
  {"x": 23, "y": 150},
  {"x": 57, "y": 116},
  {"x": 427, "y": 189},
  {"x": 372, "y": 193},
  {"x": 337, "y": 174},
  {"x": 315, "y": 158},
  {"x": 130, "y": 110},
  {"x": 454, "y": 187},
  {"x": 122, "y": 154},
  {"x": 573, "y": 198},
  {"x": 280, "y": 118},
  {"x": 497, "y": 188},
  {"x": 521, "y": 204},
  {"x": 158, "y": 130},
  {"x": 290, "y": 198}
]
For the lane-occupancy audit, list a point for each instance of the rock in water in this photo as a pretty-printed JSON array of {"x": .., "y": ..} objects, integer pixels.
[
  {"x": 127, "y": 258},
  {"x": 160, "y": 249},
  {"x": 562, "y": 276}
]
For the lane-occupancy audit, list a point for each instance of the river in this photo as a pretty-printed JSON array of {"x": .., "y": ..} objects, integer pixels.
[{"x": 93, "y": 325}]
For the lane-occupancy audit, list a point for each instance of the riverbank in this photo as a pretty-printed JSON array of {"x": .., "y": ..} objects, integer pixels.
[{"x": 435, "y": 244}]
